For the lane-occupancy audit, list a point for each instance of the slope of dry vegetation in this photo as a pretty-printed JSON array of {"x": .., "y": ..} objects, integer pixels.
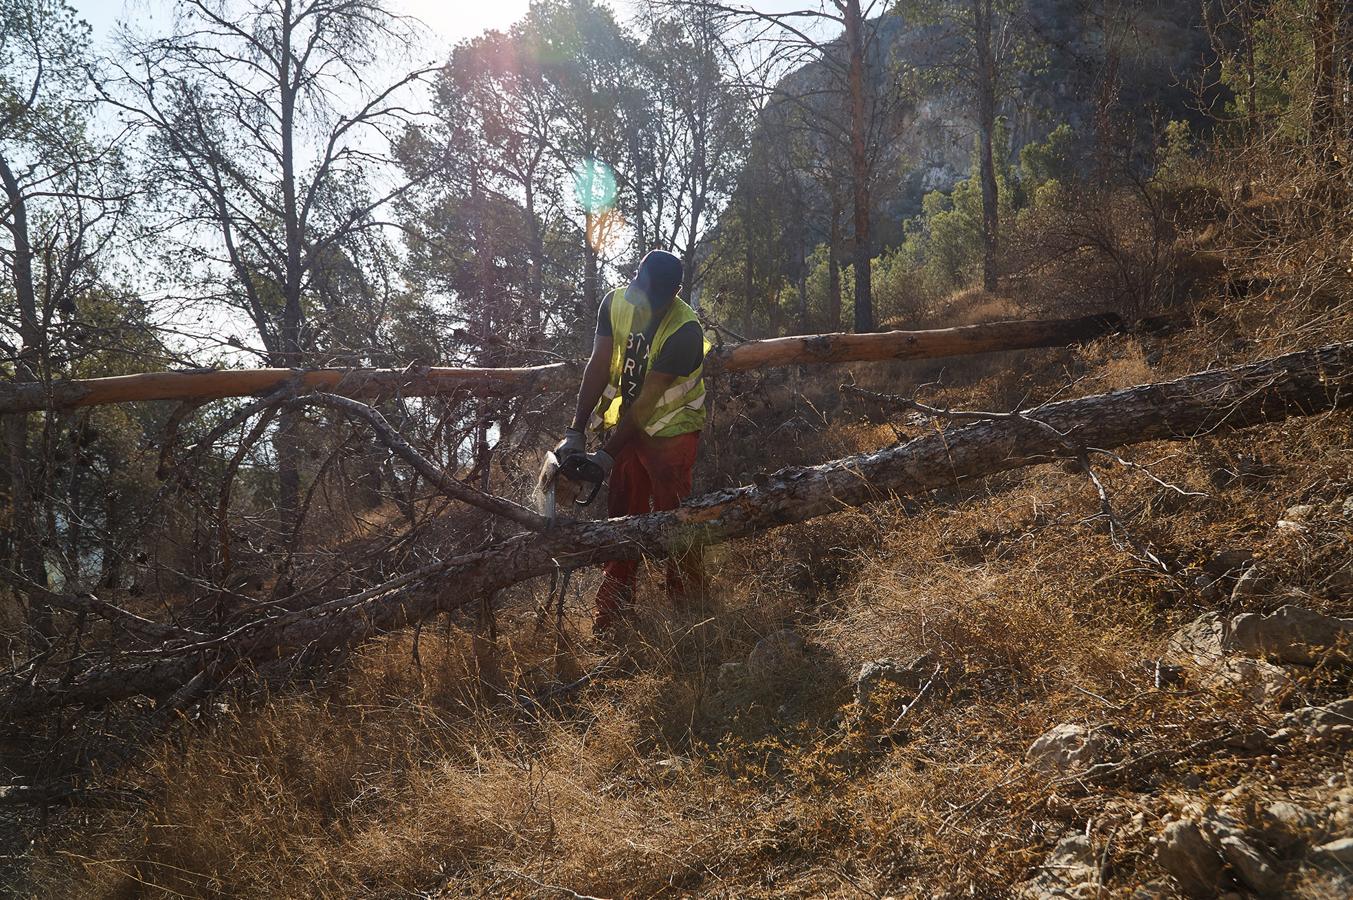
[{"x": 712, "y": 755}]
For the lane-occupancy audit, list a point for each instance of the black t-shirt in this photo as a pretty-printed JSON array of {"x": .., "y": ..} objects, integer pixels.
[{"x": 680, "y": 356}]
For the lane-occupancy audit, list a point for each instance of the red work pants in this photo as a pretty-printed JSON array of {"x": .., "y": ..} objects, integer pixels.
[{"x": 650, "y": 475}]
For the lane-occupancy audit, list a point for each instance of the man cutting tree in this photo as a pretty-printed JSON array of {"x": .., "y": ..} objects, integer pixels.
[{"x": 643, "y": 390}]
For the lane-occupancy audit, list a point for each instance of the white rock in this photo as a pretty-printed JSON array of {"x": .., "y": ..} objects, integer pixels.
[
  {"x": 1251, "y": 867},
  {"x": 1198, "y": 642},
  {"x": 1066, "y": 748},
  {"x": 909, "y": 677},
  {"x": 731, "y": 674},
  {"x": 1339, "y": 811},
  {"x": 1332, "y": 720},
  {"x": 1286, "y": 825},
  {"x": 1184, "y": 853},
  {"x": 1263, "y": 683},
  {"x": 778, "y": 653},
  {"x": 1069, "y": 871},
  {"x": 1292, "y": 634},
  {"x": 1253, "y": 583},
  {"x": 1336, "y": 854},
  {"x": 1296, "y": 518}
]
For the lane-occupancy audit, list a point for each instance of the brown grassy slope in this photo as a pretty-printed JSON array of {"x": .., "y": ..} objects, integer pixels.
[{"x": 673, "y": 775}]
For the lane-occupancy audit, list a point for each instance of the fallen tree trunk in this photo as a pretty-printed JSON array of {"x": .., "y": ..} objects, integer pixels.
[
  {"x": 1298, "y": 384},
  {"x": 215, "y": 384}
]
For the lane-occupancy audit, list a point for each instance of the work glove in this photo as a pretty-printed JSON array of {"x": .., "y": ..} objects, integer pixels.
[
  {"x": 603, "y": 460},
  {"x": 573, "y": 442}
]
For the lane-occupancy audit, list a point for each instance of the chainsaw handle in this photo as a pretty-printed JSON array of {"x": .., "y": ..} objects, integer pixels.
[
  {"x": 577, "y": 467},
  {"x": 596, "y": 489}
]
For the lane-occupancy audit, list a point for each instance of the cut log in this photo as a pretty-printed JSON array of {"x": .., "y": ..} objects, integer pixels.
[
  {"x": 1298, "y": 384},
  {"x": 216, "y": 384},
  {"x": 817, "y": 349}
]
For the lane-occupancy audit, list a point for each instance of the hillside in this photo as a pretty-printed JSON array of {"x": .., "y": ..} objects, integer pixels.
[
  {"x": 1159, "y": 51},
  {"x": 999, "y": 546},
  {"x": 986, "y": 687}
]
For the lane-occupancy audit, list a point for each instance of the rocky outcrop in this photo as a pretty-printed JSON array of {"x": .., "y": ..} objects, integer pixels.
[
  {"x": 1291, "y": 635},
  {"x": 1185, "y": 853},
  {"x": 1068, "y": 749},
  {"x": 1069, "y": 871},
  {"x": 1261, "y": 682},
  {"x": 1243, "y": 654},
  {"x": 1334, "y": 720},
  {"x": 777, "y": 654},
  {"x": 1206, "y": 850},
  {"x": 928, "y": 140},
  {"x": 907, "y": 678},
  {"x": 1198, "y": 643},
  {"x": 1261, "y": 849}
]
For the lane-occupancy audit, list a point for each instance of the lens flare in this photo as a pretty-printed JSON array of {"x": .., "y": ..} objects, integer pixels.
[{"x": 594, "y": 186}]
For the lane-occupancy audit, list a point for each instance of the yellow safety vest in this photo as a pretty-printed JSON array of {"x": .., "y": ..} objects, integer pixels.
[{"x": 681, "y": 408}]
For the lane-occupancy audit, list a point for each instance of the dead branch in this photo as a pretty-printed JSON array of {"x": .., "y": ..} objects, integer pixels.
[
  {"x": 1297, "y": 384},
  {"x": 818, "y": 349},
  {"x": 449, "y": 486},
  {"x": 1082, "y": 455}
]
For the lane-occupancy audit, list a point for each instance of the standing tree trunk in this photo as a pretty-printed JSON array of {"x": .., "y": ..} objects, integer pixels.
[
  {"x": 699, "y": 180},
  {"x": 859, "y": 168},
  {"x": 747, "y": 279},
  {"x": 986, "y": 127},
  {"x": 1344, "y": 58},
  {"x": 591, "y": 289},
  {"x": 1251, "y": 71},
  {"x": 834, "y": 270},
  {"x": 535, "y": 320},
  {"x": 801, "y": 285},
  {"x": 25, "y": 534},
  {"x": 689, "y": 261},
  {"x": 1325, "y": 28},
  {"x": 287, "y": 442}
]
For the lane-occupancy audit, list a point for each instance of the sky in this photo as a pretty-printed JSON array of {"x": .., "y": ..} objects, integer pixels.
[
  {"x": 448, "y": 20},
  {"x": 447, "y": 23}
]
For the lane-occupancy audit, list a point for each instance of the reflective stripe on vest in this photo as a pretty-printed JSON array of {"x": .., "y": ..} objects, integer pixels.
[
  {"x": 597, "y": 423},
  {"x": 681, "y": 408}
]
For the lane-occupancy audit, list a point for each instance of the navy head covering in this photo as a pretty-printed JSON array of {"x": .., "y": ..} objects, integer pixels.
[{"x": 659, "y": 278}]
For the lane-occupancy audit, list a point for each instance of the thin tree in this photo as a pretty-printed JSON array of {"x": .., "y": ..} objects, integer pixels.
[
  {"x": 841, "y": 37},
  {"x": 691, "y": 131},
  {"x": 979, "y": 47},
  {"x": 62, "y": 207},
  {"x": 1327, "y": 27},
  {"x": 265, "y": 134},
  {"x": 587, "y": 63}
]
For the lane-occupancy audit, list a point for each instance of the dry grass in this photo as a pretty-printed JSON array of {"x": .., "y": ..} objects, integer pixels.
[
  {"x": 665, "y": 777},
  {"x": 657, "y": 781}
]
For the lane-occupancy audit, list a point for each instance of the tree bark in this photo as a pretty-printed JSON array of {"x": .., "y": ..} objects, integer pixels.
[
  {"x": 288, "y": 438},
  {"x": 26, "y": 536},
  {"x": 859, "y": 169},
  {"x": 1325, "y": 28},
  {"x": 834, "y": 270},
  {"x": 1297, "y": 384},
  {"x": 986, "y": 128},
  {"x": 591, "y": 276},
  {"x": 215, "y": 384}
]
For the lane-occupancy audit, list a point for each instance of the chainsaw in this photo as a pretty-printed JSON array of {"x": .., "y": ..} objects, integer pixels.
[{"x": 568, "y": 478}]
